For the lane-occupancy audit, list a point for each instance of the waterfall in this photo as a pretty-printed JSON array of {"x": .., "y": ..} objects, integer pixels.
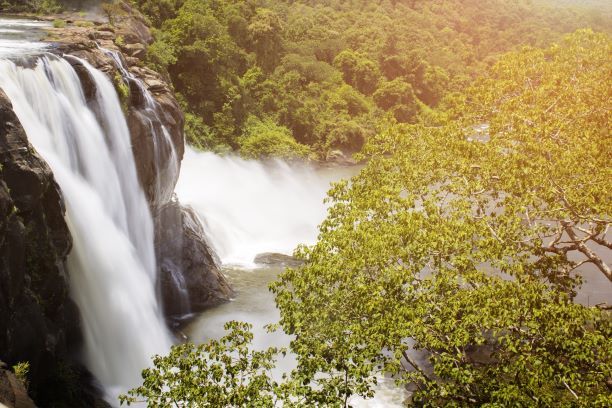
[
  {"x": 112, "y": 263},
  {"x": 162, "y": 142},
  {"x": 250, "y": 207}
]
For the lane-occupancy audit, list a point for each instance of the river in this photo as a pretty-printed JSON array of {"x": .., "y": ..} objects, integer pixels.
[{"x": 249, "y": 208}]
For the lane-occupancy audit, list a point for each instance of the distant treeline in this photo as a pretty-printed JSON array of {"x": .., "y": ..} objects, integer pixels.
[{"x": 271, "y": 77}]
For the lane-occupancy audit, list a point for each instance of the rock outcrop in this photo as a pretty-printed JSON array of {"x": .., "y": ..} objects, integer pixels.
[
  {"x": 276, "y": 259},
  {"x": 39, "y": 323},
  {"x": 190, "y": 279},
  {"x": 12, "y": 391}
]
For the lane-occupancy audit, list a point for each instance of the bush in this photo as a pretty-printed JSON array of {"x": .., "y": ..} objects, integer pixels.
[
  {"x": 265, "y": 138},
  {"x": 21, "y": 371}
]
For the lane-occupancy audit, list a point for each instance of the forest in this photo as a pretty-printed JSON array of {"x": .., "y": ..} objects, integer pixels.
[
  {"x": 304, "y": 78},
  {"x": 456, "y": 241},
  {"x": 459, "y": 240}
]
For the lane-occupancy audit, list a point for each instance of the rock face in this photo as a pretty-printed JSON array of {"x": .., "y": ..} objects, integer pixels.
[
  {"x": 190, "y": 278},
  {"x": 35, "y": 307},
  {"x": 39, "y": 323},
  {"x": 275, "y": 259}
]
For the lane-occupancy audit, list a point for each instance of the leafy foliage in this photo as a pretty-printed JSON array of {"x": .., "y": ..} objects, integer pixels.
[
  {"x": 264, "y": 139},
  {"x": 21, "y": 371},
  {"x": 291, "y": 61},
  {"x": 451, "y": 261},
  {"x": 220, "y": 373},
  {"x": 455, "y": 242}
]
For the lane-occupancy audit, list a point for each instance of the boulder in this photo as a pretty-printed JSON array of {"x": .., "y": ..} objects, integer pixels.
[
  {"x": 339, "y": 158},
  {"x": 135, "y": 50},
  {"x": 189, "y": 277},
  {"x": 276, "y": 259},
  {"x": 102, "y": 35}
]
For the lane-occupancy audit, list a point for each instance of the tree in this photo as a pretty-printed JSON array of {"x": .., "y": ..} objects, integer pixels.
[
  {"x": 397, "y": 97},
  {"x": 454, "y": 243},
  {"x": 265, "y": 34},
  {"x": 220, "y": 373},
  {"x": 455, "y": 240},
  {"x": 358, "y": 71},
  {"x": 266, "y": 139},
  {"x": 303, "y": 49}
]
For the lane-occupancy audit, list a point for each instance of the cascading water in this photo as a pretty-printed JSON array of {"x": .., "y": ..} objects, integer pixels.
[
  {"x": 162, "y": 143},
  {"x": 112, "y": 263},
  {"x": 250, "y": 207},
  {"x": 19, "y": 36},
  {"x": 163, "y": 147}
]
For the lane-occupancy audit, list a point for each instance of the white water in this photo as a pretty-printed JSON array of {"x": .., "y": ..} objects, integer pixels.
[
  {"x": 112, "y": 263},
  {"x": 162, "y": 143},
  {"x": 20, "y": 37},
  {"x": 250, "y": 207}
]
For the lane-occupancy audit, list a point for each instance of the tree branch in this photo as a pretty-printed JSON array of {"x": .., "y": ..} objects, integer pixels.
[{"x": 580, "y": 246}]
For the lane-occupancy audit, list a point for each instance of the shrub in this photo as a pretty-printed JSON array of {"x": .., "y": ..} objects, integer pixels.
[{"x": 265, "y": 138}]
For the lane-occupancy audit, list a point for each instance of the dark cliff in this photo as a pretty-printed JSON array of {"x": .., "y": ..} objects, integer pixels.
[{"x": 39, "y": 323}]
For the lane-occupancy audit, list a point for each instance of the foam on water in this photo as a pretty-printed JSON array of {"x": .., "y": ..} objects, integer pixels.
[{"x": 250, "y": 207}]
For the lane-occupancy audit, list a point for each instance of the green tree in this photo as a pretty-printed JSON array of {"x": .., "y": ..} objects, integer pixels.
[
  {"x": 397, "y": 97},
  {"x": 457, "y": 241},
  {"x": 358, "y": 71},
  {"x": 303, "y": 50},
  {"x": 219, "y": 373},
  {"x": 264, "y": 139},
  {"x": 265, "y": 34}
]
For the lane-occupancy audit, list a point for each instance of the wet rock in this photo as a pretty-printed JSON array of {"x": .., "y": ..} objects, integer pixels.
[
  {"x": 135, "y": 50},
  {"x": 156, "y": 86},
  {"x": 155, "y": 167},
  {"x": 12, "y": 391},
  {"x": 39, "y": 323},
  {"x": 132, "y": 26},
  {"x": 338, "y": 157},
  {"x": 190, "y": 278},
  {"x": 102, "y": 35},
  {"x": 131, "y": 61},
  {"x": 276, "y": 259}
]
